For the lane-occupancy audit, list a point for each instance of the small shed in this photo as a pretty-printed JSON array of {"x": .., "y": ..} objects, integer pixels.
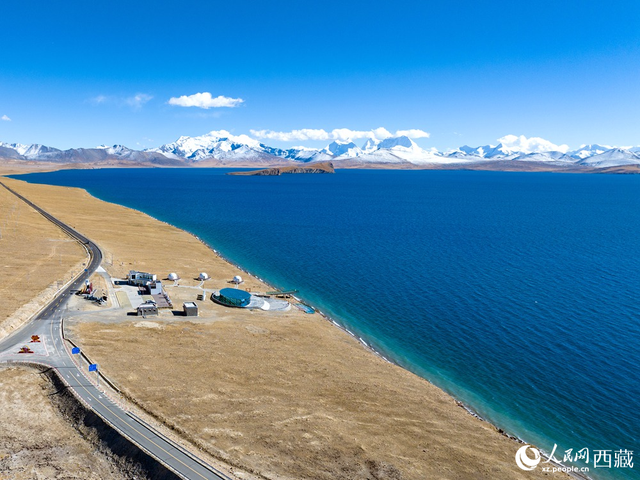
[
  {"x": 147, "y": 309},
  {"x": 190, "y": 309}
]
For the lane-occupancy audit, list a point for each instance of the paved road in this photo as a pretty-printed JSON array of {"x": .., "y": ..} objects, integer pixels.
[{"x": 52, "y": 351}]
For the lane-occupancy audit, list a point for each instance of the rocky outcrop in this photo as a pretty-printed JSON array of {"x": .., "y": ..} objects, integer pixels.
[{"x": 320, "y": 167}]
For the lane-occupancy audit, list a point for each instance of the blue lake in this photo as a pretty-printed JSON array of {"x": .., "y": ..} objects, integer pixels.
[{"x": 515, "y": 292}]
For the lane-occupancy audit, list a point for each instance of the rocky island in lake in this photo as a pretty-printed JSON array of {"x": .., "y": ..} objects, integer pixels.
[{"x": 319, "y": 167}]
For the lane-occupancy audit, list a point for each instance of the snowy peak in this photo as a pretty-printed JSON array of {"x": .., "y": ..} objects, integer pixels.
[
  {"x": 32, "y": 151},
  {"x": 612, "y": 158},
  {"x": 17, "y": 147},
  {"x": 116, "y": 150},
  {"x": 305, "y": 154},
  {"x": 215, "y": 144},
  {"x": 554, "y": 157},
  {"x": 477, "y": 151},
  {"x": 37, "y": 150},
  {"x": 402, "y": 149},
  {"x": 371, "y": 145},
  {"x": 485, "y": 151},
  {"x": 586, "y": 151},
  {"x": 501, "y": 152},
  {"x": 498, "y": 151},
  {"x": 393, "y": 142},
  {"x": 338, "y": 149}
]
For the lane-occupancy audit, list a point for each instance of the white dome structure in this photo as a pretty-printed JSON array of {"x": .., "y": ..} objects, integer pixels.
[
  {"x": 173, "y": 276},
  {"x": 203, "y": 276},
  {"x": 237, "y": 279}
]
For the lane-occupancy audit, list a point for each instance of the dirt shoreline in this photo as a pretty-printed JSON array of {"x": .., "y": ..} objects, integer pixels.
[{"x": 502, "y": 454}]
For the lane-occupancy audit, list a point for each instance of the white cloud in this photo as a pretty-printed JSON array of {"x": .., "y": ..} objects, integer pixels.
[
  {"x": 137, "y": 100},
  {"x": 413, "y": 133},
  {"x": 345, "y": 134},
  {"x": 216, "y": 134},
  {"x": 5, "y": 118},
  {"x": 205, "y": 100},
  {"x": 514, "y": 143},
  {"x": 98, "y": 100},
  {"x": 381, "y": 133},
  {"x": 294, "y": 135},
  {"x": 342, "y": 134},
  {"x": 300, "y": 147}
]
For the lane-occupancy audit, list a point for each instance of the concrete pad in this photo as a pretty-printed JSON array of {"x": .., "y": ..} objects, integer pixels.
[{"x": 123, "y": 299}]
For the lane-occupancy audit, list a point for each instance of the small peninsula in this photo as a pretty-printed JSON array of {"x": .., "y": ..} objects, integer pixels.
[{"x": 319, "y": 167}]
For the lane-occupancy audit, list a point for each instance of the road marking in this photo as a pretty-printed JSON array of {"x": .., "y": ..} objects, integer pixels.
[{"x": 167, "y": 441}]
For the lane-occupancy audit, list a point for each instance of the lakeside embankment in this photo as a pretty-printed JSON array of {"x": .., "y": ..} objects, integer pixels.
[{"x": 282, "y": 395}]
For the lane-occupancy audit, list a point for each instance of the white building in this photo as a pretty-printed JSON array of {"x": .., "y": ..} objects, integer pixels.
[
  {"x": 140, "y": 278},
  {"x": 155, "y": 288},
  {"x": 147, "y": 309}
]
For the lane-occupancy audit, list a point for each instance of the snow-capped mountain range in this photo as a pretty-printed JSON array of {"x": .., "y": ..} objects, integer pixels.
[
  {"x": 101, "y": 154},
  {"x": 222, "y": 146}
]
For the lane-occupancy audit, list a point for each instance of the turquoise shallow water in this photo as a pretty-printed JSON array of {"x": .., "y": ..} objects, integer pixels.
[{"x": 515, "y": 292}]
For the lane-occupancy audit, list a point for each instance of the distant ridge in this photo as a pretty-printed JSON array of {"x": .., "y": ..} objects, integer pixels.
[
  {"x": 117, "y": 154},
  {"x": 221, "y": 148}
]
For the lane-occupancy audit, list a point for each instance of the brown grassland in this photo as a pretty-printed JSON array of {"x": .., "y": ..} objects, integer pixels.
[
  {"x": 35, "y": 259},
  {"x": 36, "y": 442}
]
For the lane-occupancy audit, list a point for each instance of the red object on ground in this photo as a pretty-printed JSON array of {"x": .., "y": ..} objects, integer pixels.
[
  {"x": 25, "y": 349},
  {"x": 35, "y": 338}
]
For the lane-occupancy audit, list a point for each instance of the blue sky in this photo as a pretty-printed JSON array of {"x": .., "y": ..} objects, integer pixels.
[{"x": 467, "y": 72}]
